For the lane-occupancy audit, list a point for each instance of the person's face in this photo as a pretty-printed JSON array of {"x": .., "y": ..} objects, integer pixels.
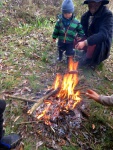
[
  {"x": 67, "y": 15},
  {"x": 93, "y": 6}
]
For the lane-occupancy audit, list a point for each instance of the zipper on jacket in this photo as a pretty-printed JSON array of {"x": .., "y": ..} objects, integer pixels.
[{"x": 66, "y": 34}]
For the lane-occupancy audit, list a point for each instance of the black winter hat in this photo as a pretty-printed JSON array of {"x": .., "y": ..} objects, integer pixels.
[{"x": 103, "y": 1}]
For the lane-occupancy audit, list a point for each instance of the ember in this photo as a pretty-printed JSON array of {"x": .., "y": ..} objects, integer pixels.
[{"x": 62, "y": 106}]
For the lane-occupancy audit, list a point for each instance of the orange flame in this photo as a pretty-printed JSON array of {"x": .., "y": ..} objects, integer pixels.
[
  {"x": 68, "y": 97},
  {"x": 72, "y": 65},
  {"x": 39, "y": 116},
  {"x": 68, "y": 85},
  {"x": 57, "y": 81}
]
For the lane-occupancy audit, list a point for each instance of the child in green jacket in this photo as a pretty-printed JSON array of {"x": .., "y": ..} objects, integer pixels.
[{"x": 66, "y": 29}]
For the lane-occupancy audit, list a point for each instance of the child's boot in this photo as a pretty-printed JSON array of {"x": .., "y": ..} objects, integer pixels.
[{"x": 60, "y": 55}]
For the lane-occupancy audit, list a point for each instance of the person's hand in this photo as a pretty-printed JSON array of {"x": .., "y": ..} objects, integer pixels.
[
  {"x": 78, "y": 38},
  {"x": 80, "y": 45},
  {"x": 54, "y": 40},
  {"x": 92, "y": 94}
]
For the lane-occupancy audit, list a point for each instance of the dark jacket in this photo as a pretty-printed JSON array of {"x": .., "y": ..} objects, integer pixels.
[{"x": 99, "y": 33}]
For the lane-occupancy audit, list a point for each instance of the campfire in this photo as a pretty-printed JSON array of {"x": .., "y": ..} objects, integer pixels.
[
  {"x": 59, "y": 109},
  {"x": 65, "y": 100},
  {"x": 58, "y": 114}
]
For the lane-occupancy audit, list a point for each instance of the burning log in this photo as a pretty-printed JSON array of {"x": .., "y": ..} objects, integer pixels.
[
  {"x": 73, "y": 72},
  {"x": 40, "y": 101}
]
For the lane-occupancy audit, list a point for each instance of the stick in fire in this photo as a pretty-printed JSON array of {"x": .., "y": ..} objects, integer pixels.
[{"x": 40, "y": 101}]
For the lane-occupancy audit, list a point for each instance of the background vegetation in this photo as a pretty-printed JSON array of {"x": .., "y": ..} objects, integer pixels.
[{"x": 28, "y": 68}]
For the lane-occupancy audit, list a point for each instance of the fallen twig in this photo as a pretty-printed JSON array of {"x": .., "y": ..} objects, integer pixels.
[
  {"x": 26, "y": 122},
  {"x": 110, "y": 126},
  {"x": 20, "y": 98}
]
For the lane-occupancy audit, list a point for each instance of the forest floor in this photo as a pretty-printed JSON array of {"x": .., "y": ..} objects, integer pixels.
[{"x": 28, "y": 69}]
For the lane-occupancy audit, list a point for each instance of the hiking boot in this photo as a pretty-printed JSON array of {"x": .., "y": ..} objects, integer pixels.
[
  {"x": 10, "y": 141},
  {"x": 59, "y": 59},
  {"x": 60, "y": 56}
]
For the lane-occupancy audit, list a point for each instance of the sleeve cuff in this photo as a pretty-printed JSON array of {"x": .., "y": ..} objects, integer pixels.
[{"x": 86, "y": 42}]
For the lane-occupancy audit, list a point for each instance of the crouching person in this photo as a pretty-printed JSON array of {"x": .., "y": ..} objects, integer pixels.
[{"x": 97, "y": 23}]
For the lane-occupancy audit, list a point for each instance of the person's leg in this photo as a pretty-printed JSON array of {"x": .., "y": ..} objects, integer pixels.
[
  {"x": 61, "y": 48},
  {"x": 86, "y": 57},
  {"x": 90, "y": 51},
  {"x": 60, "y": 55},
  {"x": 79, "y": 53},
  {"x": 69, "y": 49},
  {"x": 2, "y": 108}
]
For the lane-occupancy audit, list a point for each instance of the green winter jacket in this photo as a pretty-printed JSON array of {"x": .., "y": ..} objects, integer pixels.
[{"x": 68, "y": 35}]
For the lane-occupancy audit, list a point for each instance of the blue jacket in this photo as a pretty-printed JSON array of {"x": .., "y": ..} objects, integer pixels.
[{"x": 99, "y": 33}]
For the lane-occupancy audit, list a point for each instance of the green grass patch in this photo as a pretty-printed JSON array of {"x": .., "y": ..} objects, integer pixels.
[{"x": 27, "y": 59}]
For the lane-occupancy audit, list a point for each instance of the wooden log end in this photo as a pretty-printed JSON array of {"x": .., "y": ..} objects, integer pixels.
[{"x": 29, "y": 112}]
